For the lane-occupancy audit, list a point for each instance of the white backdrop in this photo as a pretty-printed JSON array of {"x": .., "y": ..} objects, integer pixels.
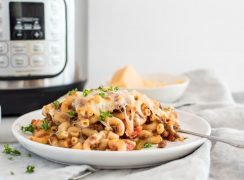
[{"x": 167, "y": 36}]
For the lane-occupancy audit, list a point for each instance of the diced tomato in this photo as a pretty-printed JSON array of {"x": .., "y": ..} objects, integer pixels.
[{"x": 136, "y": 132}]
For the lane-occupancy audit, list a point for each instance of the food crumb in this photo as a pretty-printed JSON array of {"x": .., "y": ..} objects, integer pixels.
[{"x": 162, "y": 144}]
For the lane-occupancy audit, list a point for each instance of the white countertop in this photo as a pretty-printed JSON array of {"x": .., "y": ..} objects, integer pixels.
[{"x": 6, "y": 135}]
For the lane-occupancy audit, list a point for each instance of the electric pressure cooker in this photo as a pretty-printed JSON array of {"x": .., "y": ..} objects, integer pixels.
[{"x": 43, "y": 52}]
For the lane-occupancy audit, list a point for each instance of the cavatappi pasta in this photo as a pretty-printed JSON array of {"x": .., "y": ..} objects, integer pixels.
[{"x": 105, "y": 119}]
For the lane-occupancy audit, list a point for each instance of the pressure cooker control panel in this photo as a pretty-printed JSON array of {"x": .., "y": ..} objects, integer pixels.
[{"x": 32, "y": 38}]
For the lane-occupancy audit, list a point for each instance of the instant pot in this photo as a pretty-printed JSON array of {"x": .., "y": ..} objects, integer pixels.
[{"x": 43, "y": 52}]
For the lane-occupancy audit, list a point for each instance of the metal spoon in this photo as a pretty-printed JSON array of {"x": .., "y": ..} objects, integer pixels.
[
  {"x": 84, "y": 174},
  {"x": 235, "y": 143}
]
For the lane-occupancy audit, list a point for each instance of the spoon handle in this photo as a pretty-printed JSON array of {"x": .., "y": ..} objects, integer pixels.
[{"x": 235, "y": 143}]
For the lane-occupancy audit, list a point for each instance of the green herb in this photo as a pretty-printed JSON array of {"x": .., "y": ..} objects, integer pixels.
[
  {"x": 104, "y": 115},
  {"x": 73, "y": 91},
  {"x": 56, "y": 103},
  {"x": 103, "y": 89},
  {"x": 71, "y": 114},
  {"x": 102, "y": 94},
  {"x": 45, "y": 125},
  {"x": 11, "y": 172},
  {"x": 111, "y": 88},
  {"x": 148, "y": 145},
  {"x": 10, "y": 158},
  {"x": 9, "y": 150},
  {"x": 30, "y": 169},
  {"x": 116, "y": 88},
  {"x": 29, "y": 128},
  {"x": 29, "y": 155},
  {"x": 86, "y": 92}
]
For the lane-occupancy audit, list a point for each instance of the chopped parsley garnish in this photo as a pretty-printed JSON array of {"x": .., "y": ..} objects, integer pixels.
[
  {"x": 29, "y": 155},
  {"x": 56, "y": 103},
  {"x": 103, "y": 89},
  {"x": 148, "y": 145},
  {"x": 8, "y": 150},
  {"x": 86, "y": 92},
  {"x": 10, "y": 158},
  {"x": 104, "y": 115},
  {"x": 102, "y": 94},
  {"x": 29, "y": 128},
  {"x": 71, "y": 114},
  {"x": 11, "y": 172},
  {"x": 30, "y": 169},
  {"x": 45, "y": 125},
  {"x": 73, "y": 91},
  {"x": 111, "y": 88}
]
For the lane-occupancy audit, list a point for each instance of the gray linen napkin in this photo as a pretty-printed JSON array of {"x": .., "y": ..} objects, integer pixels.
[
  {"x": 205, "y": 88},
  {"x": 210, "y": 99},
  {"x": 227, "y": 162}
]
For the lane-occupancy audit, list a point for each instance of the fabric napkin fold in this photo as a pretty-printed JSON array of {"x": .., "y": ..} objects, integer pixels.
[
  {"x": 198, "y": 162},
  {"x": 227, "y": 162},
  {"x": 205, "y": 88},
  {"x": 210, "y": 98}
]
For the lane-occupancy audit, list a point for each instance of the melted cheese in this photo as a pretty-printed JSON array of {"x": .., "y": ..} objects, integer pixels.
[{"x": 122, "y": 100}]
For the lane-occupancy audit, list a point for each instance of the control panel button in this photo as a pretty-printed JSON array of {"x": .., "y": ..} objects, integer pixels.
[
  {"x": 3, "y": 61},
  {"x": 19, "y": 61},
  {"x": 3, "y": 48},
  {"x": 38, "y": 61},
  {"x": 37, "y": 48},
  {"x": 19, "y": 48},
  {"x": 55, "y": 48},
  {"x": 27, "y": 26},
  {"x": 37, "y": 34},
  {"x": 37, "y": 26},
  {"x": 19, "y": 26},
  {"x": 19, "y": 35},
  {"x": 55, "y": 60}
]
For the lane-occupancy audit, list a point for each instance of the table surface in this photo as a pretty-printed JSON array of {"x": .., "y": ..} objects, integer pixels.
[{"x": 6, "y": 135}]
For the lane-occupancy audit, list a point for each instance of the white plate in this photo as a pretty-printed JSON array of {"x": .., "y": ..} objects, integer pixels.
[
  {"x": 169, "y": 93},
  {"x": 114, "y": 159}
]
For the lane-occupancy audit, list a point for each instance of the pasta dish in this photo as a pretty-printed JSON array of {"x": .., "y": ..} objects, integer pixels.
[{"x": 106, "y": 119}]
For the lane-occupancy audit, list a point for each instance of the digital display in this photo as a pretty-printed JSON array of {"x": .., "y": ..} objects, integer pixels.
[{"x": 27, "y": 21}]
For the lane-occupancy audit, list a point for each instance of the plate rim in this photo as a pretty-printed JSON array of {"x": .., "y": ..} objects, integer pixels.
[{"x": 22, "y": 139}]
